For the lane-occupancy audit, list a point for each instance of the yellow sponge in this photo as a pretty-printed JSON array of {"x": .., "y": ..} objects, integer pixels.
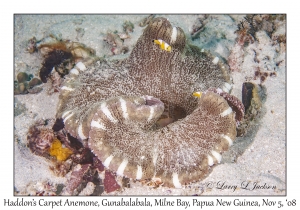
[{"x": 58, "y": 151}]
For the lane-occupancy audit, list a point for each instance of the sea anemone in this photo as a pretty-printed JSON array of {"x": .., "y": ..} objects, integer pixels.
[{"x": 143, "y": 121}]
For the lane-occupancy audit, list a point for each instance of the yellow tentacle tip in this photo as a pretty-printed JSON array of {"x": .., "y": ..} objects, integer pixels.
[{"x": 197, "y": 94}]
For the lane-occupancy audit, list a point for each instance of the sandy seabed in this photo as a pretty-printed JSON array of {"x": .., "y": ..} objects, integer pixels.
[{"x": 256, "y": 159}]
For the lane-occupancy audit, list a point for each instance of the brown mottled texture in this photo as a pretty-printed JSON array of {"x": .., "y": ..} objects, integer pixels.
[
  {"x": 236, "y": 105},
  {"x": 61, "y": 55},
  {"x": 83, "y": 156},
  {"x": 52, "y": 59},
  {"x": 180, "y": 147},
  {"x": 98, "y": 164},
  {"x": 40, "y": 139},
  {"x": 146, "y": 20},
  {"x": 143, "y": 120}
]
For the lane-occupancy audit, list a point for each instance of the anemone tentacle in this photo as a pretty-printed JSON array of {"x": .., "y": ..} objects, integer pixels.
[{"x": 143, "y": 120}]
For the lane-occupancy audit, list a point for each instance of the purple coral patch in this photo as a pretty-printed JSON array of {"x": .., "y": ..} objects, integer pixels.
[
  {"x": 98, "y": 164},
  {"x": 76, "y": 180},
  {"x": 236, "y": 105},
  {"x": 110, "y": 183}
]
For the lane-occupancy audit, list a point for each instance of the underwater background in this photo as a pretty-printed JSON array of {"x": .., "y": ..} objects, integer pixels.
[{"x": 253, "y": 47}]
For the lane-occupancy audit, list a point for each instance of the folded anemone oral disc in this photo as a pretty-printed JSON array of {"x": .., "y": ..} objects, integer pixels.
[{"x": 154, "y": 115}]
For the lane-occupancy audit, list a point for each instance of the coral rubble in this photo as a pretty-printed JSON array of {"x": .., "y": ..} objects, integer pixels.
[
  {"x": 145, "y": 121},
  {"x": 260, "y": 45},
  {"x": 128, "y": 27},
  {"x": 115, "y": 43},
  {"x": 31, "y": 47},
  {"x": 53, "y": 58},
  {"x": 40, "y": 139},
  {"x": 61, "y": 55},
  {"x": 26, "y": 84},
  {"x": 198, "y": 25},
  {"x": 76, "y": 181}
]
